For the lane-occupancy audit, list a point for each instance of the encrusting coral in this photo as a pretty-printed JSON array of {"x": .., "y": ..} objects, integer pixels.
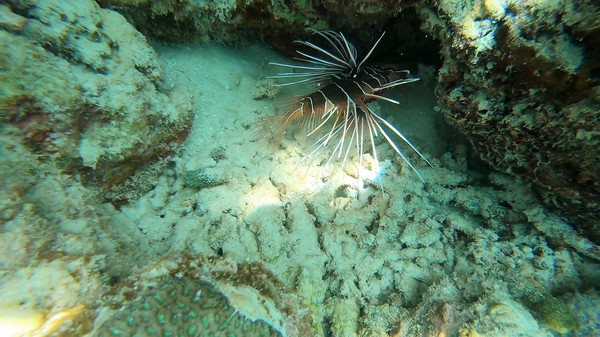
[
  {"x": 188, "y": 296},
  {"x": 181, "y": 307}
]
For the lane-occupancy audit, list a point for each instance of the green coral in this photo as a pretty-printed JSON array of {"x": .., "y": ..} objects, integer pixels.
[{"x": 181, "y": 307}]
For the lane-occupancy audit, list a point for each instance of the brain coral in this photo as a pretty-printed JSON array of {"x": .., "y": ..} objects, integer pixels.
[{"x": 181, "y": 307}]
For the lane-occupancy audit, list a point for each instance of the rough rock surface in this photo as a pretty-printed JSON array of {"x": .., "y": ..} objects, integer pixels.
[
  {"x": 522, "y": 81},
  {"x": 85, "y": 89},
  {"x": 280, "y": 22}
]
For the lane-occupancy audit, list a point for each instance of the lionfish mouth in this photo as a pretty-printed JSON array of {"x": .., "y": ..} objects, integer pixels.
[{"x": 336, "y": 113}]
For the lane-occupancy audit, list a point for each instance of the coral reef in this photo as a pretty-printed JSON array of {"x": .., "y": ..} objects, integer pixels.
[
  {"x": 54, "y": 242},
  {"x": 181, "y": 307},
  {"x": 458, "y": 254},
  {"x": 85, "y": 89},
  {"x": 555, "y": 314},
  {"x": 288, "y": 247},
  {"x": 203, "y": 297},
  {"x": 520, "y": 80},
  {"x": 586, "y": 306}
]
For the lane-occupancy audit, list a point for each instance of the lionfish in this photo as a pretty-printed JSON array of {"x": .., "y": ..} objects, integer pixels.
[{"x": 336, "y": 112}]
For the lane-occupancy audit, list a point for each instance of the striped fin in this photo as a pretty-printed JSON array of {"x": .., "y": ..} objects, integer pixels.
[{"x": 322, "y": 65}]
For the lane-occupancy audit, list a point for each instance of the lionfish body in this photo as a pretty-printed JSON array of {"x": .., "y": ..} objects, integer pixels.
[{"x": 337, "y": 111}]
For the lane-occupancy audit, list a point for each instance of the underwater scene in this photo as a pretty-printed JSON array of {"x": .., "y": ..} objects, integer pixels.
[{"x": 231, "y": 168}]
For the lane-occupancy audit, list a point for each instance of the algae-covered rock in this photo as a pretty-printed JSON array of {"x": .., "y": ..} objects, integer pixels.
[
  {"x": 86, "y": 89},
  {"x": 520, "y": 80},
  {"x": 224, "y": 21}
]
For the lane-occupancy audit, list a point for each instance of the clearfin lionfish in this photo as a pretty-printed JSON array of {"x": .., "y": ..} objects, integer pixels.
[{"x": 336, "y": 112}]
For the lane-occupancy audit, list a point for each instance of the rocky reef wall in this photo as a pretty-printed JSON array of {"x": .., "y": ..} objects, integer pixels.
[
  {"x": 83, "y": 87},
  {"x": 522, "y": 81},
  {"x": 279, "y": 22}
]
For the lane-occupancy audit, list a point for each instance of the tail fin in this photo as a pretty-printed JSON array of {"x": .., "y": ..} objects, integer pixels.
[{"x": 269, "y": 131}]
